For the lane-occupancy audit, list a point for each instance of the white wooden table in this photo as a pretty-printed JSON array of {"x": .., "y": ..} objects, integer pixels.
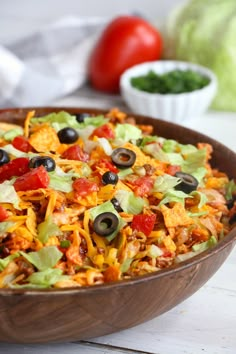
[{"x": 204, "y": 323}]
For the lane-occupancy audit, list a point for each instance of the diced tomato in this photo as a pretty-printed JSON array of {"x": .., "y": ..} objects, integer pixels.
[
  {"x": 34, "y": 179},
  {"x": 21, "y": 143},
  {"x": 105, "y": 131},
  {"x": 14, "y": 168},
  {"x": 106, "y": 165},
  {"x": 172, "y": 169},
  {"x": 3, "y": 214},
  {"x": 144, "y": 223},
  {"x": 75, "y": 153},
  {"x": 83, "y": 187},
  {"x": 143, "y": 186}
]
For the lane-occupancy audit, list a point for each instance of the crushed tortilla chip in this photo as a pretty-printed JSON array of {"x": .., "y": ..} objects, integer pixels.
[
  {"x": 176, "y": 216},
  {"x": 45, "y": 139}
]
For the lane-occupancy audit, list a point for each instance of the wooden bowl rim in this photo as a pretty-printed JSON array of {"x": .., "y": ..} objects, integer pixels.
[{"x": 228, "y": 240}]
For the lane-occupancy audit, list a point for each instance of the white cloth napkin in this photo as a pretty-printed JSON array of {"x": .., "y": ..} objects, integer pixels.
[{"x": 47, "y": 64}]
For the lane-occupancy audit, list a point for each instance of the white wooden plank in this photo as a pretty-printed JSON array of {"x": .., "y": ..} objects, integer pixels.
[
  {"x": 68, "y": 348},
  {"x": 205, "y": 322}
]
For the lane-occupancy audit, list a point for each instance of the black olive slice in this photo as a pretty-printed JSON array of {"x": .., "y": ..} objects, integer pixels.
[
  {"x": 45, "y": 161},
  {"x": 188, "y": 182},
  {"x": 105, "y": 224},
  {"x": 4, "y": 157},
  {"x": 123, "y": 158},
  {"x": 67, "y": 135},
  {"x": 116, "y": 205},
  {"x": 110, "y": 178},
  {"x": 80, "y": 117}
]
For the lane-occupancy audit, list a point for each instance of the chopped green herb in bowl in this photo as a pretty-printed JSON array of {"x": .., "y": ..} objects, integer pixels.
[
  {"x": 168, "y": 89},
  {"x": 175, "y": 81}
]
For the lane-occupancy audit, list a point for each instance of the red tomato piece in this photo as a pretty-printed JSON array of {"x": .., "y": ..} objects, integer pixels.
[
  {"x": 21, "y": 143},
  {"x": 83, "y": 187},
  {"x": 144, "y": 223},
  {"x": 172, "y": 169},
  {"x": 75, "y": 153},
  {"x": 14, "y": 168},
  {"x": 143, "y": 186},
  {"x": 104, "y": 131},
  {"x": 126, "y": 41},
  {"x": 105, "y": 164},
  {"x": 3, "y": 214},
  {"x": 34, "y": 179}
]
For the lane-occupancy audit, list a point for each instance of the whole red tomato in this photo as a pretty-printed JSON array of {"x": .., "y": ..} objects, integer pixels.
[{"x": 126, "y": 41}]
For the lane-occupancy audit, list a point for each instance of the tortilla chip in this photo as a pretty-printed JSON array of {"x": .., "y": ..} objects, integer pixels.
[
  {"x": 45, "y": 139},
  {"x": 176, "y": 216}
]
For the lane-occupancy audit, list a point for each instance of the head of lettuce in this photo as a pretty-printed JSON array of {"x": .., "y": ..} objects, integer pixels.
[{"x": 204, "y": 32}]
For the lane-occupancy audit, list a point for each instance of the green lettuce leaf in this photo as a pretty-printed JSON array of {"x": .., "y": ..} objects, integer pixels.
[
  {"x": 129, "y": 202},
  {"x": 193, "y": 161},
  {"x": 205, "y": 245},
  {"x": 4, "y": 226},
  {"x": 47, "y": 277},
  {"x": 13, "y": 151},
  {"x": 165, "y": 182},
  {"x": 8, "y": 195},
  {"x": 46, "y": 257},
  {"x": 126, "y": 132},
  {"x": 174, "y": 196},
  {"x": 61, "y": 183},
  {"x": 230, "y": 188},
  {"x": 12, "y": 133},
  {"x": 169, "y": 145},
  {"x": 58, "y": 120},
  {"x": 47, "y": 229},
  {"x": 202, "y": 198},
  {"x": 156, "y": 151},
  {"x": 5, "y": 261}
]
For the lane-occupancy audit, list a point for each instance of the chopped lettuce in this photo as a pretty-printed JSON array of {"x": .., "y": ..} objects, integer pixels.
[
  {"x": 129, "y": 202},
  {"x": 199, "y": 174},
  {"x": 200, "y": 247},
  {"x": 104, "y": 208},
  {"x": 169, "y": 145},
  {"x": 193, "y": 161},
  {"x": 186, "y": 149},
  {"x": 104, "y": 143},
  {"x": 94, "y": 121},
  {"x": 58, "y": 120},
  {"x": 13, "y": 151},
  {"x": 126, "y": 132},
  {"x": 230, "y": 189},
  {"x": 12, "y": 133},
  {"x": 165, "y": 182},
  {"x": 4, "y": 226},
  {"x": 5, "y": 261},
  {"x": 125, "y": 172},
  {"x": 154, "y": 251},
  {"x": 47, "y": 277},
  {"x": 47, "y": 229},
  {"x": 156, "y": 151},
  {"x": 9, "y": 195},
  {"x": 46, "y": 257},
  {"x": 202, "y": 198},
  {"x": 61, "y": 183},
  {"x": 146, "y": 140},
  {"x": 174, "y": 196},
  {"x": 175, "y": 158}
]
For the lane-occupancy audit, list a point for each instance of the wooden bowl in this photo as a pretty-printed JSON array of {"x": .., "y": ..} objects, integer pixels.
[{"x": 39, "y": 316}]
